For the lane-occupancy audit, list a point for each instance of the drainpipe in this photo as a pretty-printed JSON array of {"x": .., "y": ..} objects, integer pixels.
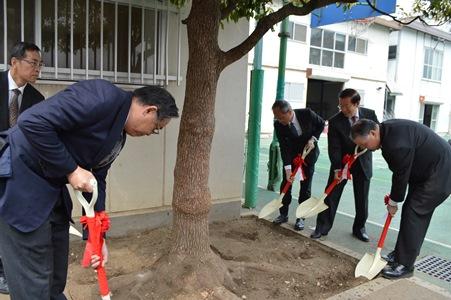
[
  {"x": 253, "y": 129},
  {"x": 274, "y": 164}
]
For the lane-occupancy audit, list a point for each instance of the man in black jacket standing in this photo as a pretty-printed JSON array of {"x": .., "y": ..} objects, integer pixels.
[
  {"x": 16, "y": 95},
  {"x": 340, "y": 144},
  {"x": 295, "y": 129},
  {"x": 420, "y": 161}
]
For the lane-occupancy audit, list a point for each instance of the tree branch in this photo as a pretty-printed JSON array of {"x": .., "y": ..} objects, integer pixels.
[
  {"x": 268, "y": 22},
  {"x": 400, "y": 21}
]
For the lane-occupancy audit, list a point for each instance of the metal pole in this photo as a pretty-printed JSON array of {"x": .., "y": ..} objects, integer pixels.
[
  {"x": 274, "y": 164},
  {"x": 253, "y": 129}
]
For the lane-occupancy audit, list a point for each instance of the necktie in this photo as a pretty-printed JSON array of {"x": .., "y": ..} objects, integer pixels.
[
  {"x": 293, "y": 129},
  {"x": 354, "y": 119},
  {"x": 14, "y": 108}
]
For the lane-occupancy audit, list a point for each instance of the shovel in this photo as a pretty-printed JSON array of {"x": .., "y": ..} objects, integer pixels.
[
  {"x": 313, "y": 205},
  {"x": 277, "y": 203},
  {"x": 370, "y": 265},
  {"x": 97, "y": 224}
]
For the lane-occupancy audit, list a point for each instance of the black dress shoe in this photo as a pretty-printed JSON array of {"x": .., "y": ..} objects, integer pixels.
[
  {"x": 397, "y": 271},
  {"x": 361, "y": 235},
  {"x": 390, "y": 257},
  {"x": 299, "y": 225},
  {"x": 280, "y": 219},
  {"x": 317, "y": 234},
  {"x": 3, "y": 286}
]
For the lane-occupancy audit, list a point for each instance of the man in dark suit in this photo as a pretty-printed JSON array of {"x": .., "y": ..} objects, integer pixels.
[
  {"x": 340, "y": 144},
  {"x": 420, "y": 161},
  {"x": 73, "y": 137},
  {"x": 295, "y": 129},
  {"x": 16, "y": 95}
]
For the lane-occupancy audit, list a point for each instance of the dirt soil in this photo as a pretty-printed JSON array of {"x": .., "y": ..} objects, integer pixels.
[{"x": 265, "y": 261}]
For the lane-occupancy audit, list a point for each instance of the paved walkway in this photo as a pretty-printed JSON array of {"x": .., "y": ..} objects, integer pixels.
[{"x": 438, "y": 239}]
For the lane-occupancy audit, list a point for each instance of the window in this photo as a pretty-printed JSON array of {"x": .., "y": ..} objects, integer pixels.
[
  {"x": 294, "y": 93},
  {"x": 121, "y": 41},
  {"x": 298, "y": 32},
  {"x": 14, "y": 32},
  {"x": 357, "y": 45},
  {"x": 392, "y": 51},
  {"x": 327, "y": 48},
  {"x": 389, "y": 107},
  {"x": 432, "y": 68}
]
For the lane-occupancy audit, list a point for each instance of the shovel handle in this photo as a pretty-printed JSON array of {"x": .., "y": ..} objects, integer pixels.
[
  {"x": 88, "y": 206},
  {"x": 384, "y": 232},
  {"x": 331, "y": 186},
  {"x": 288, "y": 184}
]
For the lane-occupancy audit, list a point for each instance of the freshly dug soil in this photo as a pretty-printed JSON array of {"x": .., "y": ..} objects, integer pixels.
[{"x": 265, "y": 261}]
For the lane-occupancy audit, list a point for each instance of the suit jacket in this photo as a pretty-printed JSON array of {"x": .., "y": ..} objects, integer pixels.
[
  {"x": 418, "y": 157},
  {"x": 340, "y": 143},
  {"x": 78, "y": 126},
  {"x": 30, "y": 97},
  {"x": 290, "y": 145}
]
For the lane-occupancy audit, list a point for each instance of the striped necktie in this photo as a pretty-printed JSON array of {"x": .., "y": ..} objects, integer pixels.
[{"x": 14, "y": 108}]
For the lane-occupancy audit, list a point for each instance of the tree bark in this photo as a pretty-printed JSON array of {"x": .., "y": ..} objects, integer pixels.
[{"x": 191, "y": 196}]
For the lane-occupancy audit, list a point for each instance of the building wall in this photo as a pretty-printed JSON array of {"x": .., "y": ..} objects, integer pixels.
[
  {"x": 141, "y": 179},
  {"x": 366, "y": 72},
  {"x": 407, "y": 71}
]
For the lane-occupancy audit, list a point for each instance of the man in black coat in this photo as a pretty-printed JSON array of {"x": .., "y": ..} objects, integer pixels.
[
  {"x": 421, "y": 162},
  {"x": 16, "y": 95},
  {"x": 295, "y": 129},
  {"x": 340, "y": 144}
]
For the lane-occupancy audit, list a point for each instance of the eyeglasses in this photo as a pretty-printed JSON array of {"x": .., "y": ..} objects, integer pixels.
[
  {"x": 36, "y": 65},
  {"x": 340, "y": 107}
]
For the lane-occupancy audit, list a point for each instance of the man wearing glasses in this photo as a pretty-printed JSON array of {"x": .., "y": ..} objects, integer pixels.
[
  {"x": 16, "y": 95},
  {"x": 340, "y": 144},
  {"x": 72, "y": 137}
]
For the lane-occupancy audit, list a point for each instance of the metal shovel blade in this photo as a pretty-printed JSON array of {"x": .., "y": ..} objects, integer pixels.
[
  {"x": 370, "y": 265},
  {"x": 311, "y": 207},
  {"x": 270, "y": 207}
]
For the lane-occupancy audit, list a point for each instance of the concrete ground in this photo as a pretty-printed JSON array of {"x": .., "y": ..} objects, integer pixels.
[{"x": 438, "y": 240}]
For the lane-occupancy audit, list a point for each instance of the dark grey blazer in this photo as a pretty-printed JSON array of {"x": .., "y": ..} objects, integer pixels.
[
  {"x": 419, "y": 159},
  {"x": 30, "y": 97},
  {"x": 340, "y": 143}
]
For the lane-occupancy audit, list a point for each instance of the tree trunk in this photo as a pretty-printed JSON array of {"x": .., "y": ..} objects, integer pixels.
[
  {"x": 190, "y": 267},
  {"x": 191, "y": 198}
]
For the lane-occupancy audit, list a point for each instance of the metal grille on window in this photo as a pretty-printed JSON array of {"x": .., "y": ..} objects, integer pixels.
[{"x": 122, "y": 41}]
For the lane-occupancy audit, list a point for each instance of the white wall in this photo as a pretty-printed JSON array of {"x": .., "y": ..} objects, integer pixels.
[
  {"x": 141, "y": 179},
  {"x": 409, "y": 72},
  {"x": 365, "y": 72}
]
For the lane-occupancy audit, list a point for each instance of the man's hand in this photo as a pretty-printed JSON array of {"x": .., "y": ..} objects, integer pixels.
[
  {"x": 311, "y": 143},
  {"x": 337, "y": 174},
  {"x": 288, "y": 175},
  {"x": 392, "y": 209},
  {"x": 95, "y": 259},
  {"x": 80, "y": 180}
]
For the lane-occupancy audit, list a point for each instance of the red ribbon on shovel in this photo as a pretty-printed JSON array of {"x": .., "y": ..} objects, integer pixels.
[
  {"x": 348, "y": 161},
  {"x": 97, "y": 224}
]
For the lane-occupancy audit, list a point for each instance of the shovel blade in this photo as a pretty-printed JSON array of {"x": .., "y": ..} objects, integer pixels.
[
  {"x": 310, "y": 207},
  {"x": 270, "y": 208},
  {"x": 369, "y": 266}
]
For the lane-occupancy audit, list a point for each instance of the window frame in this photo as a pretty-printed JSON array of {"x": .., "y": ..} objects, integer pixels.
[
  {"x": 163, "y": 12},
  {"x": 322, "y": 48},
  {"x": 430, "y": 66}
]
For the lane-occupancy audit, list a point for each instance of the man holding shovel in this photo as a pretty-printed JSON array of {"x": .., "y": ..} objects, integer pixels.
[
  {"x": 73, "y": 137},
  {"x": 421, "y": 162},
  {"x": 340, "y": 145},
  {"x": 295, "y": 129}
]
